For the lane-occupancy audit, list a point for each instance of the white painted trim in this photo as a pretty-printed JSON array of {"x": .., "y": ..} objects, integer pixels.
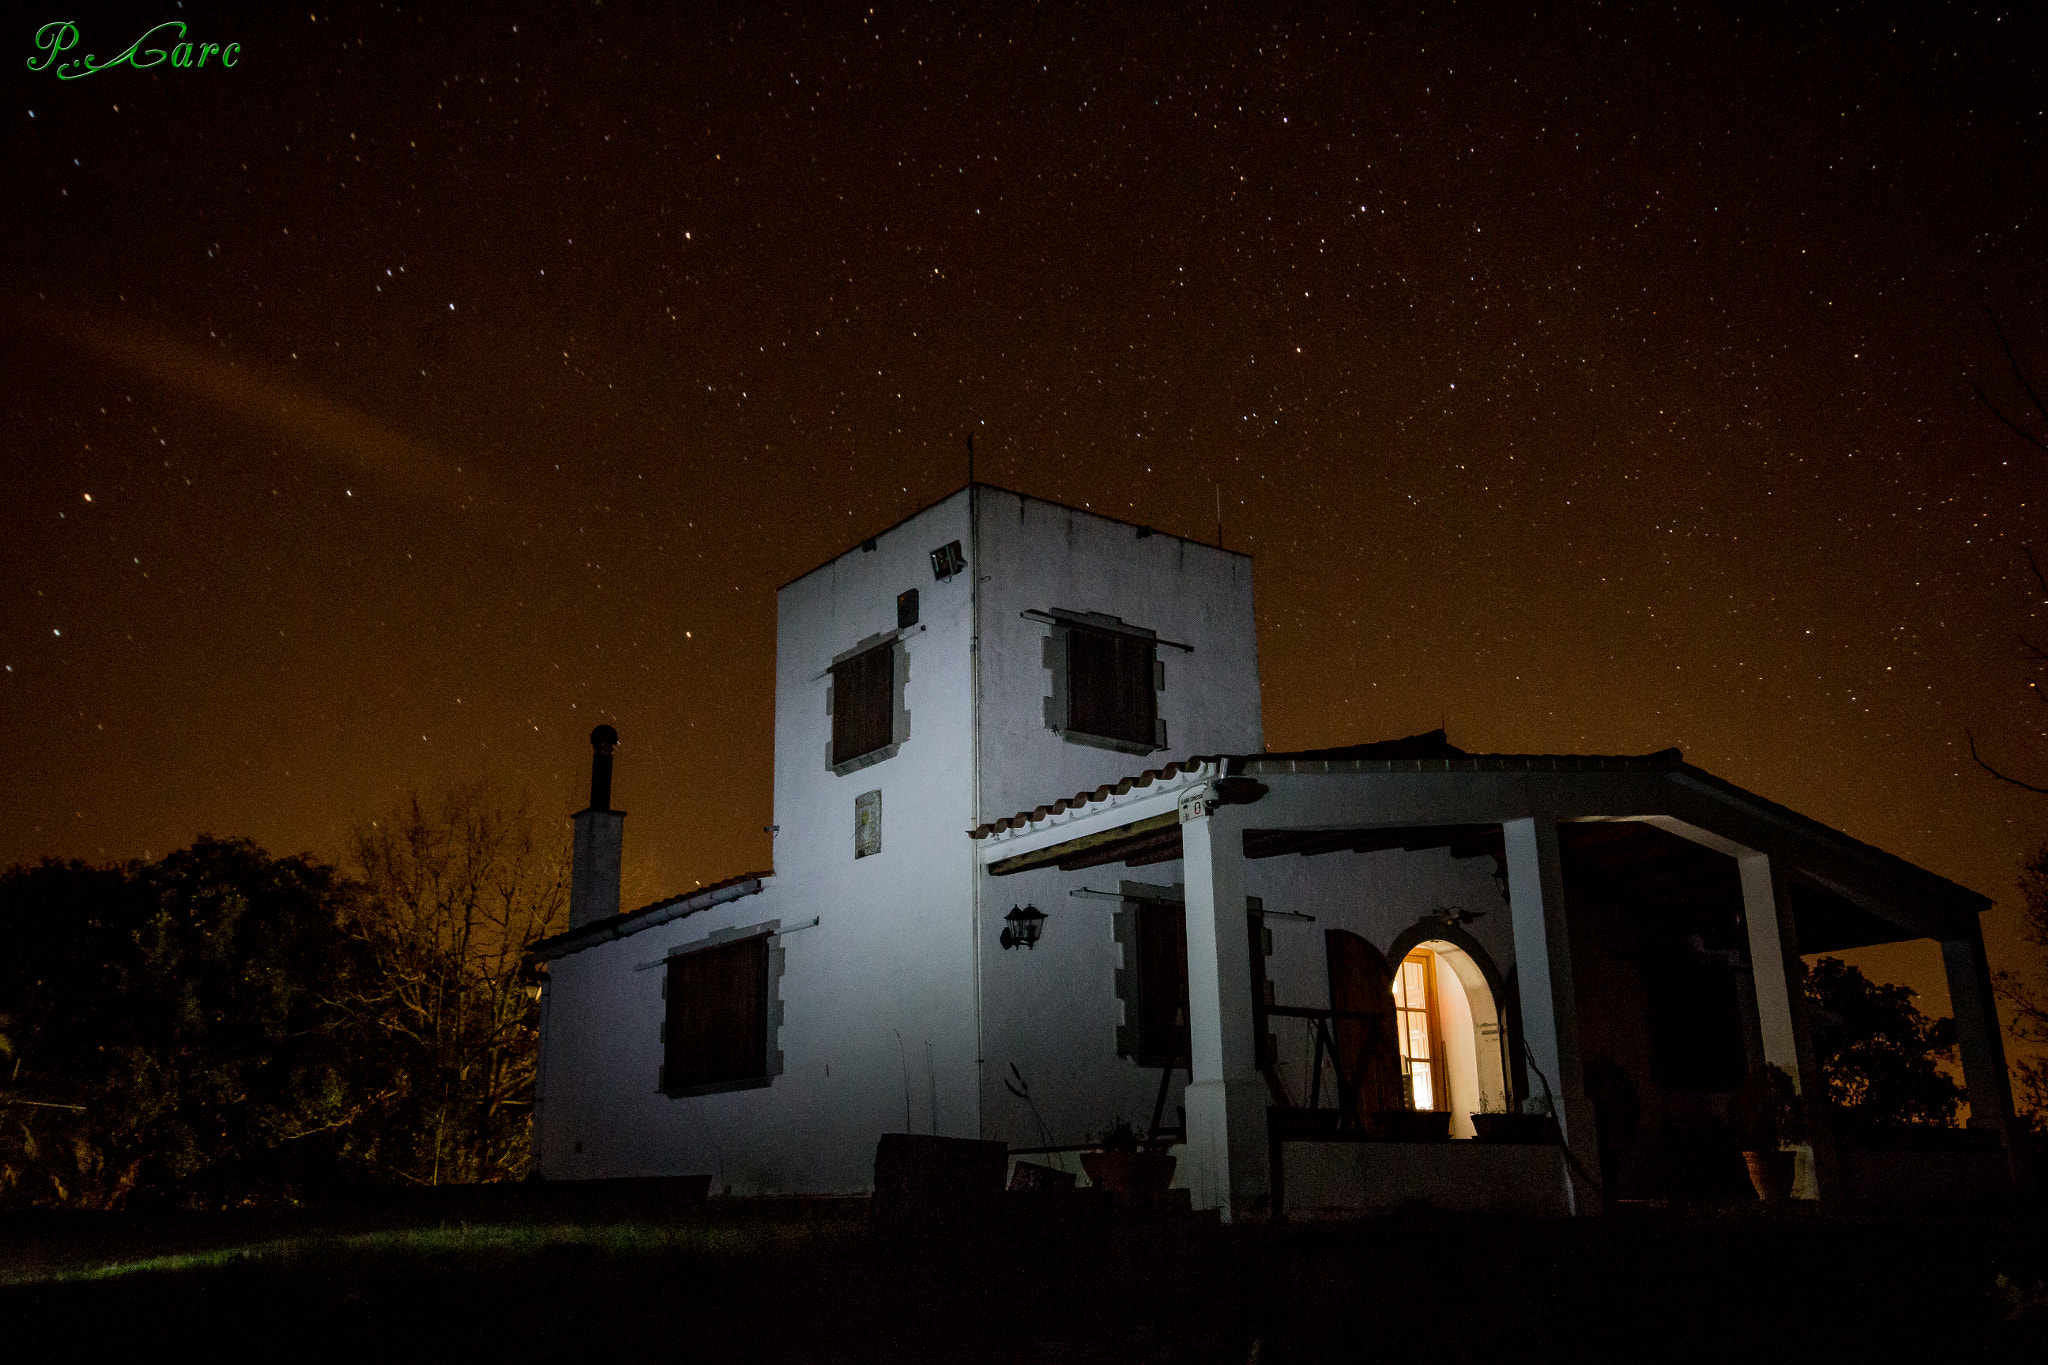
[{"x": 1057, "y": 827}]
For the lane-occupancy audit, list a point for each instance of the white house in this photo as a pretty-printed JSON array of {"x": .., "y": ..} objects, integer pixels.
[{"x": 1035, "y": 872}]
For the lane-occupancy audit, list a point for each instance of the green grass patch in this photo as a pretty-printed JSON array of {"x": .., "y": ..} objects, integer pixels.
[{"x": 457, "y": 1247}]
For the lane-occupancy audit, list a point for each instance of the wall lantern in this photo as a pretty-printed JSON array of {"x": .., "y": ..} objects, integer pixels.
[{"x": 1024, "y": 923}]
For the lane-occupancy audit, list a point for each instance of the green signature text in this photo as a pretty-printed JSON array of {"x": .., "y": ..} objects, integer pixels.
[{"x": 55, "y": 39}]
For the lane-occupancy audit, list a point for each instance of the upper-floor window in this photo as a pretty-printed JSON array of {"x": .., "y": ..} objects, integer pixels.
[
  {"x": 1106, "y": 681},
  {"x": 1112, "y": 685},
  {"x": 863, "y": 696},
  {"x": 869, "y": 719}
]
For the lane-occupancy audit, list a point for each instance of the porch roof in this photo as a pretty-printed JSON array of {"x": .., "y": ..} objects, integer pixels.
[{"x": 1423, "y": 792}]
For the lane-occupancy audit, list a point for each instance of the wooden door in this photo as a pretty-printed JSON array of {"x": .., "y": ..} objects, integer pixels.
[{"x": 1368, "y": 1057}]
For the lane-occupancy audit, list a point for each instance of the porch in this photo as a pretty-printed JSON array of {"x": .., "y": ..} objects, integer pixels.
[{"x": 1579, "y": 846}]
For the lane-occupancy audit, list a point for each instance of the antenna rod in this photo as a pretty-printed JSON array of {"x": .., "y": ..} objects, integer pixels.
[
  {"x": 1219, "y": 516},
  {"x": 970, "y": 457}
]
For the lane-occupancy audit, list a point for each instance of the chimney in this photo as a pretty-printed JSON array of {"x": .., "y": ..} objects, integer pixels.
[{"x": 600, "y": 833}]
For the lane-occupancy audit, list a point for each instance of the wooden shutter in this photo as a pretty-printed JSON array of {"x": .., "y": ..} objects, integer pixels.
[
  {"x": 864, "y": 703},
  {"x": 1110, "y": 685},
  {"x": 717, "y": 1015},
  {"x": 1368, "y": 1052},
  {"x": 1162, "y": 983}
]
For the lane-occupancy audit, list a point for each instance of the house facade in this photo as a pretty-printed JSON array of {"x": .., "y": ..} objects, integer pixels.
[{"x": 1008, "y": 904}]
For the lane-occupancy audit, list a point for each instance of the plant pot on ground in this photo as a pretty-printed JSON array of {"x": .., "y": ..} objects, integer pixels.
[
  {"x": 1122, "y": 1166},
  {"x": 1773, "y": 1119},
  {"x": 1772, "y": 1174}
]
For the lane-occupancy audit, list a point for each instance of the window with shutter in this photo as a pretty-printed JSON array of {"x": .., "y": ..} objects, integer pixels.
[
  {"x": 1153, "y": 982},
  {"x": 717, "y": 1016},
  {"x": 1162, "y": 983},
  {"x": 1111, "y": 685},
  {"x": 863, "y": 704}
]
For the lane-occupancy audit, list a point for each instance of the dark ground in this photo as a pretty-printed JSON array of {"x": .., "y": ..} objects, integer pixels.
[{"x": 782, "y": 1281}]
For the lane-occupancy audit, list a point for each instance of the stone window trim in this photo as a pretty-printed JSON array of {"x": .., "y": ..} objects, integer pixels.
[
  {"x": 719, "y": 938},
  {"x": 1059, "y": 706},
  {"x": 899, "y": 711},
  {"x": 1130, "y": 983}
]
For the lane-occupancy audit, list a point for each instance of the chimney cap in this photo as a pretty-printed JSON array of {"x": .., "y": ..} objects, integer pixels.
[{"x": 604, "y": 739}]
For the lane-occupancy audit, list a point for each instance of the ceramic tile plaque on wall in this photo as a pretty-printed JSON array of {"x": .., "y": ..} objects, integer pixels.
[{"x": 867, "y": 824}]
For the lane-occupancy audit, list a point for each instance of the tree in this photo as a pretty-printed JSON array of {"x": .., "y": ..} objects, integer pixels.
[
  {"x": 2038, "y": 440},
  {"x": 456, "y": 891},
  {"x": 2030, "y": 1005},
  {"x": 178, "y": 1030},
  {"x": 1878, "y": 1053}
]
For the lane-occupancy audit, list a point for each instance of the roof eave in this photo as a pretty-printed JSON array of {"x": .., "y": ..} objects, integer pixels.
[{"x": 647, "y": 917}]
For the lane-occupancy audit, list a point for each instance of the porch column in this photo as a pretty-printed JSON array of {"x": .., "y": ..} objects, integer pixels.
[
  {"x": 1779, "y": 976},
  {"x": 1981, "y": 1044},
  {"x": 1228, "y": 1169},
  {"x": 1550, "y": 1016}
]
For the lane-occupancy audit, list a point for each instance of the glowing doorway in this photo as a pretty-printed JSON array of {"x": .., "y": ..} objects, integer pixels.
[{"x": 1449, "y": 1034}]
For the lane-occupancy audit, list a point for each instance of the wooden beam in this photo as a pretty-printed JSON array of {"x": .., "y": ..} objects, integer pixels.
[
  {"x": 1160, "y": 846},
  {"x": 1072, "y": 848}
]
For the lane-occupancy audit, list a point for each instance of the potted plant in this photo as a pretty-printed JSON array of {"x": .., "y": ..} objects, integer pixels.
[
  {"x": 1774, "y": 1123},
  {"x": 1531, "y": 1127},
  {"x": 1122, "y": 1166}
]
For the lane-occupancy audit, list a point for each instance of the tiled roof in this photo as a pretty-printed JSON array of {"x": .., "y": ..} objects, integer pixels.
[
  {"x": 647, "y": 916},
  {"x": 1102, "y": 793},
  {"x": 1430, "y": 752},
  {"x": 1433, "y": 752}
]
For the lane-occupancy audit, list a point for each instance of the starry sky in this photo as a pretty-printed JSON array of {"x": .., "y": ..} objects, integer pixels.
[{"x": 388, "y": 409}]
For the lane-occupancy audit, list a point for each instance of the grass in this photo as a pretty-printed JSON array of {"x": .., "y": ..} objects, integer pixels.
[
  {"x": 736, "y": 1280},
  {"x": 479, "y": 1247}
]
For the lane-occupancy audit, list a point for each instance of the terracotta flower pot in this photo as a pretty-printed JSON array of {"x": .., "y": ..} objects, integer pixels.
[
  {"x": 1771, "y": 1173},
  {"x": 1129, "y": 1172}
]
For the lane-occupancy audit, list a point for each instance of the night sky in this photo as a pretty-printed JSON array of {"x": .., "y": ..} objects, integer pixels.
[{"x": 390, "y": 408}]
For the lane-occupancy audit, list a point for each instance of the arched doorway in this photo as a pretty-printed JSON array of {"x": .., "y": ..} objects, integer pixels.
[{"x": 1452, "y": 1040}]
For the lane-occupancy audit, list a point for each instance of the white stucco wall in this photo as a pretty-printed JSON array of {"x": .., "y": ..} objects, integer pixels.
[
  {"x": 877, "y": 999},
  {"x": 1054, "y": 1011},
  {"x": 885, "y": 999},
  {"x": 1037, "y": 556},
  {"x": 892, "y": 986},
  {"x": 1461, "y": 1049}
]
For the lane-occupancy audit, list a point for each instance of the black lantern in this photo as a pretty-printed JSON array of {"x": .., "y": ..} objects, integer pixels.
[{"x": 1025, "y": 922}]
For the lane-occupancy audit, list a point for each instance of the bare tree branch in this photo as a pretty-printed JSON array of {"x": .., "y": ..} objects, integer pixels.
[
  {"x": 462, "y": 891},
  {"x": 2019, "y": 375},
  {"x": 2002, "y": 777},
  {"x": 2010, "y": 425}
]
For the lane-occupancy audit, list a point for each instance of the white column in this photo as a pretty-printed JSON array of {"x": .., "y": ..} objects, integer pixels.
[
  {"x": 1550, "y": 1018},
  {"x": 1982, "y": 1045},
  {"x": 1226, "y": 1099},
  {"x": 1763, "y": 913},
  {"x": 1780, "y": 978}
]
